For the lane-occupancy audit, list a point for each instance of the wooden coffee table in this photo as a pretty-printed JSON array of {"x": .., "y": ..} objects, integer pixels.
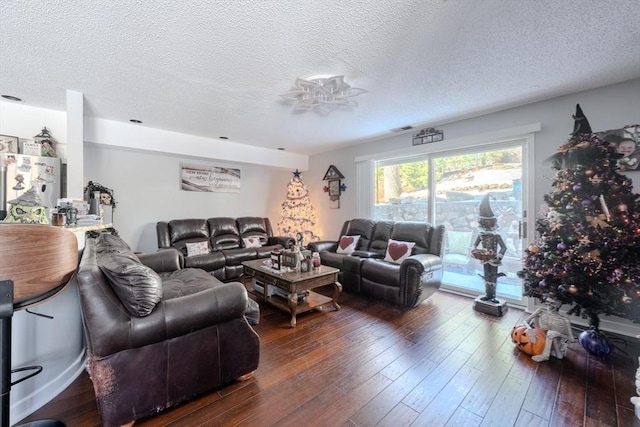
[{"x": 292, "y": 283}]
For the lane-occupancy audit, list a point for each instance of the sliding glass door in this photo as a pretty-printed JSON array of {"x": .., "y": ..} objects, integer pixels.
[
  {"x": 445, "y": 188},
  {"x": 461, "y": 181}
]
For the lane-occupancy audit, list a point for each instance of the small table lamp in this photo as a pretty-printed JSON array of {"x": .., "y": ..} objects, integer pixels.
[{"x": 36, "y": 262}]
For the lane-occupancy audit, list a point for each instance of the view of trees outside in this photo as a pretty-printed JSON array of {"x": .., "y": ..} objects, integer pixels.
[{"x": 411, "y": 178}]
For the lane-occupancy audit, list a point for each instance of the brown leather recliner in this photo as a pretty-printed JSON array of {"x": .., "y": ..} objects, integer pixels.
[
  {"x": 365, "y": 271},
  {"x": 225, "y": 238},
  {"x": 158, "y": 336}
]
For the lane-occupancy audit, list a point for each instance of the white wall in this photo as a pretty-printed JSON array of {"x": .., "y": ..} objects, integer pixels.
[
  {"x": 25, "y": 122},
  {"x": 146, "y": 186},
  {"x": 610, "y": 107}
]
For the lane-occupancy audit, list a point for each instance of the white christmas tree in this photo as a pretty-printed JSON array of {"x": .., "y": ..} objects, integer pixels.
[{"x": 297, "y": 212}]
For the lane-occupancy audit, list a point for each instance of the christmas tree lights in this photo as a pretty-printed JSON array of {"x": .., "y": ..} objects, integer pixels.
[{"x": 297, "y": 212}]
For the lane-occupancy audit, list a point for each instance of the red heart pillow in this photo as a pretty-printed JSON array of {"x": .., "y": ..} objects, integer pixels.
[
  {"x": 347, "y": 244},
  {"x": 345, "y": 241},
  {"x": 252, "y": 242},
  {"x": 398, "y": 251}
]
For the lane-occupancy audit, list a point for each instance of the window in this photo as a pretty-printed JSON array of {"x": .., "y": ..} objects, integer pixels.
[
  {"x": 444, "y": 187},
  {"x": 401, "y": 190}
]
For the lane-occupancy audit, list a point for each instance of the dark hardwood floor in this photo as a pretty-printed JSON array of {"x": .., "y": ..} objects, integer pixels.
[{"x": 370, "y": 363}]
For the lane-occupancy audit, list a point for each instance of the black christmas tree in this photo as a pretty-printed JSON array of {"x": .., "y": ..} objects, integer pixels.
[{"x": 588, "y": 251}]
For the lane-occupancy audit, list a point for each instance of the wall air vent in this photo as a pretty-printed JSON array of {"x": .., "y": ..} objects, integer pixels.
[{"x": 402, "y": 129}]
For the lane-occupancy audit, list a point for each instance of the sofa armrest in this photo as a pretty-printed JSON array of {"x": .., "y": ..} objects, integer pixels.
[
  {"x": 162, "y": 234},
  {"x": 420, "y": 277},
  {"x": 163, "y": 261},
  {"x": 286, "y": 242},
  {"x": 426, "y": 262},
  {"x": 323, "y": 246}
]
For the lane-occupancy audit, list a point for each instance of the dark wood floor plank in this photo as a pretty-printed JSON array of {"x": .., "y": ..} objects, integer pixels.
[
  {"x": 481, "y": 395},
  {"x": 464, "y": 418},
  {"x": 429, "y": 388},
  {"x": 389, "y": 399},
  {"x": 505, "y": 408},
  {"x": 600, "y": 407},
  {"x": 528, "y": 419},
  {"x": 570, "y": 399},
  {"x": 541, "y": 395},
  {"x": 370, "y": 363},
  {"x": 400, "y": 416},
  {"x": 342, "y": 410},
  {"x": 438, "y": 412}
]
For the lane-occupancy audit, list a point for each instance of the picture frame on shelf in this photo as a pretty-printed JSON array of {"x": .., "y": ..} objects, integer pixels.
[
  {"x": 9, "y": 144},
  {"x": 427, "y": 136}
]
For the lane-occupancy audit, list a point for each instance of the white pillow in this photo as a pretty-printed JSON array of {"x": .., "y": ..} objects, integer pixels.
[
  {"x": 198, "y": 248},
  {"x": 252, "y": 242},
  {"x": 398, "y": 251},
  {"x": 347, "y": 244}
]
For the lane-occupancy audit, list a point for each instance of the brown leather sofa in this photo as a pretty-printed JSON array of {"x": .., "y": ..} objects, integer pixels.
[
  {"x": 225, "y": 239},
  {"x": 366, "y": 272},
  {"x": 156, "y": 334}
]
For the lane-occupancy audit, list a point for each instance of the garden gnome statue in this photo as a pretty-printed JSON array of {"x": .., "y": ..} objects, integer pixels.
[{"x": 490, "y": 255}]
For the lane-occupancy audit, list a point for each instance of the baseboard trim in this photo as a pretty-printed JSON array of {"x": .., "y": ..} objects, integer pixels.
[{"x": 40, "y": 397}]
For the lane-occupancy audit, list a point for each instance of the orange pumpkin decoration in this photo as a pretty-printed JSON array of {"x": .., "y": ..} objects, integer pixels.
[{"x": 521, "y": 336}]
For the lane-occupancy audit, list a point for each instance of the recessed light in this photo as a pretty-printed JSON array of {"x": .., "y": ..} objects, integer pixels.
[
  {"x": 223, "y": 137},
  {"x": 281, "y": 148},
  {"x": 11, "y": 98},
  {"x": 135, "y": 121}
]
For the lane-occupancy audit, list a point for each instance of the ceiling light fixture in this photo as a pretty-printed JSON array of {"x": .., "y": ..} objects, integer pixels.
[{"x": 322, "y": 93}]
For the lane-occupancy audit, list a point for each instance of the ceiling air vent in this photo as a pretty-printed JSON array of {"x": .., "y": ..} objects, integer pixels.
[{"x": 402, "y": 129}]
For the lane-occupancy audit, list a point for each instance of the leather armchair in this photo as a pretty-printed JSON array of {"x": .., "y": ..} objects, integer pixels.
[{"x": 195, "y": 338}]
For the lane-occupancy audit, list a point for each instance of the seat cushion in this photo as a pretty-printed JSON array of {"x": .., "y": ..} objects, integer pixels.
[{"x": 380, "y": 271}]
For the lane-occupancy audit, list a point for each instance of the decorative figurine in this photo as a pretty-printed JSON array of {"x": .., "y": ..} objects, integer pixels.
[
  {"x": 490, "y": 255},
  {"x": 27, "y": 209},
  {"x": 557, "y": 326}
]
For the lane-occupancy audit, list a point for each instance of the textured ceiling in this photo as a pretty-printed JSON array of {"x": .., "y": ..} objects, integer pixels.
[{"x": 217, "y": 68}]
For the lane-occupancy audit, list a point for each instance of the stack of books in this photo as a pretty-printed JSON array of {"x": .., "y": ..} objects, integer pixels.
[{"x": 88, "y": 220}]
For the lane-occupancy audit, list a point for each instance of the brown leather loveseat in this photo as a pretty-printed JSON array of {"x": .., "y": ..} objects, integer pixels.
[
  {"x": 399, "y": 262},
  {"x": 228, "y": 242},
  {"x": 156, "y": 334}
]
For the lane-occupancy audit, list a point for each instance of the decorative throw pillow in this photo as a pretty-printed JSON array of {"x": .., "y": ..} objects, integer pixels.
[
  {"x": 347, "y": 244},
  {"x": 138, "y": 287},
  {"x": 398, "y": 251},
  {"x": 197, "y": 248},
  {"x": 252, "y": 242}
]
